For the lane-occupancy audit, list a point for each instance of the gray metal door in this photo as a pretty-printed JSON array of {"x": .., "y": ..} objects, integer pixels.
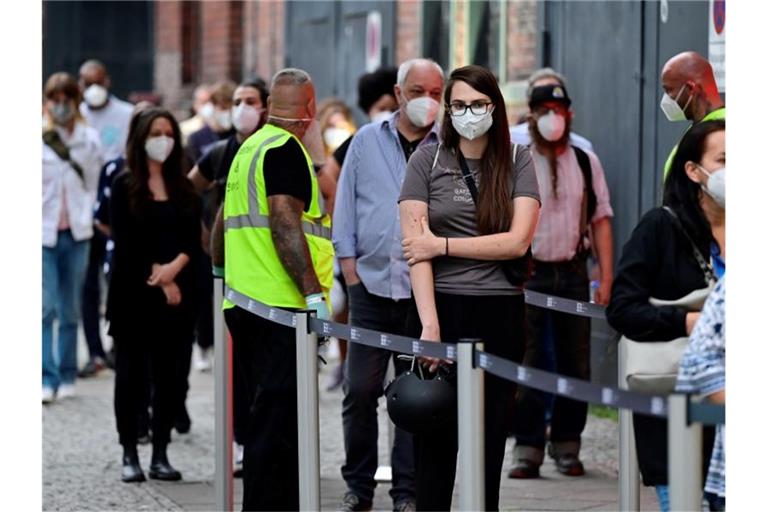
[
  {"x": 612, "y": 53},
  {"x": 327, "y": 39}
]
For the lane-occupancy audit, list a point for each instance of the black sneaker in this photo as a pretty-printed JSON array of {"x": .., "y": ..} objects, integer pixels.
[
  {"x": 523, "y": 469},
  {"x": 569, "y": 464},
  {"x": 92, "y": 368},
  {"x": 404, "y": 506},
  {"x": 352, "y": 502}
]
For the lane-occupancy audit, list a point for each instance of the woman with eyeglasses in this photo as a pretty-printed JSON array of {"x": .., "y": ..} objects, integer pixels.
[
  {"x": 457, "y": 231},
  {"x": 155, "y": 217}
]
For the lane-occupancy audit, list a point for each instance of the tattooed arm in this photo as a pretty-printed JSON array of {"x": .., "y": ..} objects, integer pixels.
[{"x": 290, "y": 242}]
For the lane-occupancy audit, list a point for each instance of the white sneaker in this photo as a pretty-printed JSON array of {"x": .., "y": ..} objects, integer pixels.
[
  {"x": 237, "y": 454},
  {"x": 66, "y": 391},
  {"x": 48, "y": 395},
  {"x": 203, "y": 360}
]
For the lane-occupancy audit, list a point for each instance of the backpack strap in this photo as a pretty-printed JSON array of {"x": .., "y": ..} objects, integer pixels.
[
  {"x": 588, "y": 200},
  {"x": 52, "y": 140}
]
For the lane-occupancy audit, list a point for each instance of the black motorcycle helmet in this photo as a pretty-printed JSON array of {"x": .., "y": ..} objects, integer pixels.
[{"x": 419, "y": 404}]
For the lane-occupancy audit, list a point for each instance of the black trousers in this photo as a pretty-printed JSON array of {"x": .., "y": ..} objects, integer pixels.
[
  {"x": 571, "y": 336},
  {"x": 500, "y": 322},
  {"x": 267, "y": 359},
  {"x": 204, "y": 280},
  {"x": 152, "y": 353},
  {"x": 364, "y": 373},
  {"x": 92, "y": 296}
]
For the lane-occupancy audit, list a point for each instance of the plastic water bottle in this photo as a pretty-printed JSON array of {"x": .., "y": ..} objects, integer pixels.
[{"x": 593, "y": 286}]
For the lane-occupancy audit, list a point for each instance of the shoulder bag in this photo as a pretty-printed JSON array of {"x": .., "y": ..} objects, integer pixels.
[
  {"x": 652, "y": 366},
  {"x": 516, "y": 270}
]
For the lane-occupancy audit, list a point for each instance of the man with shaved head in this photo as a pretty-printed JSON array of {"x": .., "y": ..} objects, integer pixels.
[
  {"x": 108, "y": 114},
  {"x": 368, "y": 242},
  {"x": 690, "y": 92},
  {"x": 278, "y": 251}
]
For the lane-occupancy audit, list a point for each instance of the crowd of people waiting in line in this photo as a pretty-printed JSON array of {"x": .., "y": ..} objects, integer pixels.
[{"x": 442, "y": 214}]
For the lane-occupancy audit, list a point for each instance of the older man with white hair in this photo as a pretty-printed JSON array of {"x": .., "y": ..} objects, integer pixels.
[{"x": 367, "y": 239}]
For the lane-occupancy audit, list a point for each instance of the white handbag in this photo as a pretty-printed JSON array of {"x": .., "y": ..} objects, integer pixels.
[{"x": 651, "y": 366}]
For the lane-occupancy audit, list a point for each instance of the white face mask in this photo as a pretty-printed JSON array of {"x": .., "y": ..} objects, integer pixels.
[
  {"x": 470, "y": 125},
  {"x": 223, "y": 118},
  {"x": 158, "y": 148},
  {"x": 671, "y": 108},
  {"x": 422, "y": 111},
  {"x": 551, "y": 126},
  {"x": 334, "y": 137},
  {"x": 206, "y": 112},
  {"x": 246, "y": 118},
  {"x": 380, "y": 115},
  {"x": 715, "y": 186},
  {"x": 96, "y": 95}
]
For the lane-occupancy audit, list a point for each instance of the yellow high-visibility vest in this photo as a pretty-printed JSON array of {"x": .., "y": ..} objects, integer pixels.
[{"x": 252, "y": 266}]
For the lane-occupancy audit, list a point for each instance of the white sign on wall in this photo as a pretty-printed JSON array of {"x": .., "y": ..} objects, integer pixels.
[
  {"x": 373, "y": 41},
  {"x": 717, "y": 41}
]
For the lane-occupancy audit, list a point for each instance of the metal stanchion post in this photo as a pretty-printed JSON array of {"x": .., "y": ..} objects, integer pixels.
[
  {"x": 471, "y": 413},
  {"x": 629, "y": 473},
  {"x": 684, "y": 447},
  {"x": 309, "y": 423},
  {"x": 384, "y": 473},
  {"x": 223, "y": 405}
]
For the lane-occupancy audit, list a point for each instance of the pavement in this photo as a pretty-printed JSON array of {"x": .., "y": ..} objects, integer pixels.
[{"x": 81, "y": 459}]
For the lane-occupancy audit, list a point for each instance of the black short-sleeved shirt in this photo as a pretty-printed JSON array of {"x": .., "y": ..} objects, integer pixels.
[
  {"x": 341, "y": 152},
  {"x": 207, "y": 163},
  {"x": 285, "y": 172}
]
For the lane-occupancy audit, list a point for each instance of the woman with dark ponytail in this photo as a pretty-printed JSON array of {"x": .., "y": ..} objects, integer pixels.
[
  {"x": 467, "y": 205},
  {"x": 150, "y": 306}
]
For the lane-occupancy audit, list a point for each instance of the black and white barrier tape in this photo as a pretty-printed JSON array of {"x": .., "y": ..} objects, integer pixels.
[{"x": 577, "y": 389}]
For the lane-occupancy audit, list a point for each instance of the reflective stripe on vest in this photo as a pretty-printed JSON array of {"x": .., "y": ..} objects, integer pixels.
[{"x": 253, "y": 219}]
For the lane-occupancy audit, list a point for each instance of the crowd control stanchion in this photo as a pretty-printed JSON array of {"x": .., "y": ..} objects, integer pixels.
[
  {"x": 629, "y": 472},
  {"x": 384, "y": 473},
  {"x": 471, "y": 413},
  {"x": 309, "y": 423},
  {"x": 223, "y": 404},
  {"x": 685, "y": 486}
]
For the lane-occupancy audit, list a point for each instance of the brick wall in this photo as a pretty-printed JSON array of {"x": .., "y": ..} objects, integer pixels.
[
  {"x": 521, "y": 39},
  {"x": 168, "y": 56},
  {"x": 408, "y": 22},
  {"x": 221, "y": 41},
  {"x": 263, "y": 38}
]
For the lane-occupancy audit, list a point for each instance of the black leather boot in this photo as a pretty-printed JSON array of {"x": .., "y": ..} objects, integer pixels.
[
  {"x": 161, "y": 469},
  {"x": 131, "y": 468}
]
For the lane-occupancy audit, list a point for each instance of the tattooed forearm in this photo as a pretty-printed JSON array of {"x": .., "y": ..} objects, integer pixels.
[
  {"x": 217, "y": 238},
  {"x": 290, "y": 242}
]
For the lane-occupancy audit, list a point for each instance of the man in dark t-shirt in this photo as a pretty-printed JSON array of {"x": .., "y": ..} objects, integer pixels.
[{"x": 209, "y": 177}]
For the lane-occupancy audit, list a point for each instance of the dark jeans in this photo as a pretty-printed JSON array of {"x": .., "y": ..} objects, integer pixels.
[
  {"x": 204, "y": 280},
  {"x": 499, "y": 321},
  {"x": 267, "y": 358},
  {"x": 150, "y": 355},
  {"x": 571, "y": 336},
  {"x": 364, "y": 372},
  {"x": 92, "y": 295}
]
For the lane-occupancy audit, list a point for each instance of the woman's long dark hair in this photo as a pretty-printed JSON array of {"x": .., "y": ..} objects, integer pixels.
[
  {"x": 494, "y": 209},
  {"x": 680, "y": 193},
  {"x": 178, "y": 187}
]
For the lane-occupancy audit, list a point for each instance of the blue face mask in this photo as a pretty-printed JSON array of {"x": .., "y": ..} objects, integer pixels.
[{"x": 62, "y": 112}]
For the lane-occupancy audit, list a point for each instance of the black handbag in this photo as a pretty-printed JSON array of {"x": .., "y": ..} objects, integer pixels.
[{"x": 516, "y": 270}]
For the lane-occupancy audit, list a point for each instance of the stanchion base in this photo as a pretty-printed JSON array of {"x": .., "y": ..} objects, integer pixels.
[{"x": 383, "y": 474}]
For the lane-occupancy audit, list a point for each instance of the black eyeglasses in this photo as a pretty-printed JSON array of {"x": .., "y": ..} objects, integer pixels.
[{"x": 458, "y": 109}]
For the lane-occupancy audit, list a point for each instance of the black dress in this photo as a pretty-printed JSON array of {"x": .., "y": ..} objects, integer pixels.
[
  {"x": 658, "y": 262},
  {"x": 151, "y": 337}
]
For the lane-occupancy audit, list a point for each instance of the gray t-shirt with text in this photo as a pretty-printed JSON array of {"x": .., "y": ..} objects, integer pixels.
[{"x": 440, "y": 184}]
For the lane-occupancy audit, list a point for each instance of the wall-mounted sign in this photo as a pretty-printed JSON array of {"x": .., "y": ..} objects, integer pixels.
[
  {"x": 716, "y": 56},
  {"x": 373, "y": 41}
]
